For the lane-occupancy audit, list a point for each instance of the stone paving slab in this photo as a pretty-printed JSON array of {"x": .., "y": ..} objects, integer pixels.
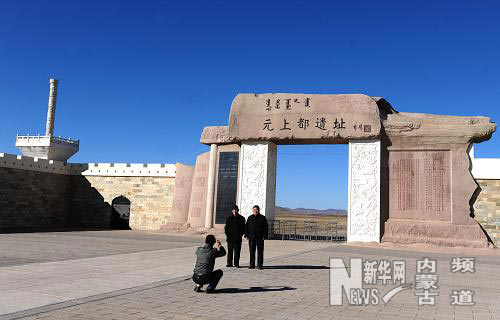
[
  {"x": 293, "y": 286},
  {"x": 35, "y": 285},
  {"x": 26, "y": 248}
]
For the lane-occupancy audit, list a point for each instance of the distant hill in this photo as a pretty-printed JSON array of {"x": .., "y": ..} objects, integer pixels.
[{"x": 284, "y": 210}]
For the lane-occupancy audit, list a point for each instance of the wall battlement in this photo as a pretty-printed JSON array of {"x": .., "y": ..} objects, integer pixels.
[
  {"x": 124, "y": 169},
  {"x": 87, "y": 169},
  {"x": 34, "y": 164}
]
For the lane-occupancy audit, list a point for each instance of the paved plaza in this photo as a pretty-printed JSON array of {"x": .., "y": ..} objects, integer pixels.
[{"x": 135, "y": 275}]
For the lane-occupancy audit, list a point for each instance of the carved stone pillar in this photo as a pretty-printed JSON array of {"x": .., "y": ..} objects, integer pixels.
[
  {"x": 51, "y": 112},
  {"x": 257, "y": 178},
  {"x": 209, "y": 212},
  {"x": 363, "y": 220}
]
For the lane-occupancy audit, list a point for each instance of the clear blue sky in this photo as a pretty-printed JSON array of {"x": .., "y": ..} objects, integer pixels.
[{"x": 140, "y": 79}]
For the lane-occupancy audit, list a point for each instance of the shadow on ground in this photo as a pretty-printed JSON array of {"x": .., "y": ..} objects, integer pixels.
[
  {"x": 299, "y": 266},
  {"x": 252, "y": 289}
]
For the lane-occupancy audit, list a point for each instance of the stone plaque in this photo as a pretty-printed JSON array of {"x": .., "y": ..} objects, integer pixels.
[
  {"x": 303, "y": 118},
  {"x": 227, "y": 185},
  {"x": 420, "y": 185}
]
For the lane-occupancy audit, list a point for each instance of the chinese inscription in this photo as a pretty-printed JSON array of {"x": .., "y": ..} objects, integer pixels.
[
  {"x": 407, "y": 173},
  {"x": 420, "y": 182},
  {"x": 312, "y": 117},
  {"x": 434, "y": 182},
  {"x": 304, "y": 123}
]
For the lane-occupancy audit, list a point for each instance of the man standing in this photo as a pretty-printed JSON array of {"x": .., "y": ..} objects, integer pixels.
[
  {"x": 205, "y": 260},
  {"x": 256, "y": 231},
  {"x": 234, "y": 229}
]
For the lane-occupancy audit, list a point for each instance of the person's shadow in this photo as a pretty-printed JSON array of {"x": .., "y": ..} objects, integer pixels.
[{"x": 253, "y": 289}]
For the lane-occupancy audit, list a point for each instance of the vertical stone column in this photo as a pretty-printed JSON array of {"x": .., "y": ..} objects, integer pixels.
[
  {"x": 363, "y": 220},
  {"x": 198, "y": 198},
  {"x": 209, "y": 212},
  {"x": 257, "y": 178},
  {"x": 51, "y": 112},
  {"x": 182, "y": 194}
]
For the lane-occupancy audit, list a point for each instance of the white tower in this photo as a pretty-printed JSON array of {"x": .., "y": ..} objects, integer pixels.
[{"x": 48, "y": 146}]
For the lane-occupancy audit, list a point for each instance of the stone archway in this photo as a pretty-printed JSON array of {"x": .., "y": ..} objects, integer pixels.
[
  {"x": 409, "y": 173},
  {"x": 120, "y": 213},
  {"x": 261, "y": 122}
]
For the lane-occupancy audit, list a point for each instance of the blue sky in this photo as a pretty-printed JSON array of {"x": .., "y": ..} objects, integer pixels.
[{"x": 140, "y": 79}]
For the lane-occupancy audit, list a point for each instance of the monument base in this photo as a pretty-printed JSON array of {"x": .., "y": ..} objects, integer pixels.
[{"x": 438, "y": 233}]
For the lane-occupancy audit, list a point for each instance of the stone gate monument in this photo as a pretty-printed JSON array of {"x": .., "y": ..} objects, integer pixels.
[{"x": 409, "y": 173}]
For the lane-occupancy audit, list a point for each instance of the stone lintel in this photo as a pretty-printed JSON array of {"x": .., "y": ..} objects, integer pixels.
[
  {"x": 291, "y": 118},
  {"x": 215, "y": 134},
  {"x": 437, "y": 129}
]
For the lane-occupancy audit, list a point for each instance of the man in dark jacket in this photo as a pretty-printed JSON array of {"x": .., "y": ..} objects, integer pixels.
[
  {"x": 256, "y": 231},
  {"x": 234, "y": 229},
  {"x": 203, "y": 272}
]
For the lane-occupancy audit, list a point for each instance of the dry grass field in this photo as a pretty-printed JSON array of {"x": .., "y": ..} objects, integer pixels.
[{"x": 323, "y": 221}]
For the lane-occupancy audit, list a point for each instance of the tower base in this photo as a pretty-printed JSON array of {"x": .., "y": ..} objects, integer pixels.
[{"x": 47, "y": 147}]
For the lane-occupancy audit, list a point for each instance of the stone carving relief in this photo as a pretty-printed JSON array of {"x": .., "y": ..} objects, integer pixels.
[
  {"x": 402, "y": 127},
  {"x": 364, "y": 191},
  {"x": 255, "y": 158}
]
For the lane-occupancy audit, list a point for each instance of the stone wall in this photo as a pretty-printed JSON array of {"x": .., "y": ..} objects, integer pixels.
[
  {"x": 486, "y": 171},
  {"x": 487, "y": 208},
  {"x": 149, "y": 188},
  {"x": 33, "y": 199},
  {"x": 38, "y": 193},
  {"x": 151, "y": 200}
]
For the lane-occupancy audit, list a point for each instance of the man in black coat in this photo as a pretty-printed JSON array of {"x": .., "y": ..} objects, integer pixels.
[
  {"x": 234, "y": 229},
  {"x": 256, "y": 231}
]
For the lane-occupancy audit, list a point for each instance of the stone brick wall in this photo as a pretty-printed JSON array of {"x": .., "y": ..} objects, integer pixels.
[
  {"x": 38, "y": 193},
  {"x": 487, "y": 208},
  {"x": 151, "y": 200},
  {"x": 33, "y": 199}
]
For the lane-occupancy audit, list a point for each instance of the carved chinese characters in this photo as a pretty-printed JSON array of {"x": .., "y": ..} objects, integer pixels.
[
  {"x": 420, "y": 184},
  {"x": 309, "y": 118}
]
